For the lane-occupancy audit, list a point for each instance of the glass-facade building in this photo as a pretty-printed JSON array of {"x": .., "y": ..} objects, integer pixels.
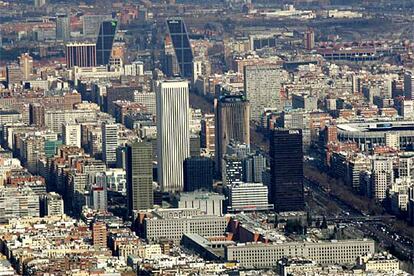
[
  {"x": 182, "y": 46},
  {"x": 105, "y": 41}
]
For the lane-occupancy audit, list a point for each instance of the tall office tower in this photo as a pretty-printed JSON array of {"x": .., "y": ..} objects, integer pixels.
[
  {"x": 39, "y": 3},
  {"x": 71, "y": 135},
  {"x": 182, "y": 47},
  {"x": 109, "y": 143},
  {"x": 382, "y": 177},
  {"x": 194, "y": 145},
  {"x": 198, "y": 174},
  {"x": 232, "y": 123},
  {"x": 53, "y": 204},
  {"x": 62, "y": 27},
  {"x": 409, "y": 85},
  {"x": 13, "y": 74},
  {"x": 208, "y": 133},
  {"x": 26, "y": 66},
  {"x": 262, "y": 84},
  {"x": 173, "y": 133},
  {"x": 99, "y": 234},
  {"x": 105, "y": 41},
  {"x": 286, "y": 164},
  {"x": 91, "y": 23},
  {"x": 253, "y": 167},
  {"x": 139, "y": 176},
  {"x": 309, "y": 39},
  {"x": 80, "y": 54}
]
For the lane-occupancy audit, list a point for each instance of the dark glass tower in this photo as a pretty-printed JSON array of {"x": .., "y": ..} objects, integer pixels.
[
  {"x": 182, "y": 46},
  {"x": 198, "y": 174},
  {"x": 105, "y": 41},
  {"x": 139, "y": 176},
  {"x": 286, "y": 163},
  {"x": 231, "y": 123}
]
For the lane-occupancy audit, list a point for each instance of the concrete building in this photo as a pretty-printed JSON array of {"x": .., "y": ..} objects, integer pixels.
[
  {"x": 208, "y": 203},
  {"x": 71, "y": 135},
  {"x": 173, "y": 133},
  {"x": 261, "y": 255},
  {"x": 208, "y": 133},
  {"x": 148, "y": 99},
  {"x": 99, "y": 234},
  {"x": 262, "y": 85},
  {"x": 99, "y": 198},
  {"x": 171, "y": 224},
  {"x": 26, "y": 65},
  {"x": 382, "y": 177},
  {"x": 248, "y": 197},
  {"x": 383, "y": 262},
  {"x": 109, "y": 143},
  {"x": 16, "y": 202},
  {"x": 305, "y": 102},
  {"x": 54, "y": 205}
]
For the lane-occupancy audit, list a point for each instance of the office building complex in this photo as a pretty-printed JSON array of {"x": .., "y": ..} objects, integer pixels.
[
  {"x": 232, "y": 123},
  {"x": 286, "y": 163},
  {"x": 232, "y": 169},
  {"x": 109, "y": 143},
  {"x": 262, "y": 85},
  {"x": 181, "y": 44},
  {"x": 198, "y": 174},
  {"x": 208, "y": 203},
  {"x": 171, "y": 224},
  {"x": 173, "y": 135},
  {"x": 139, "y": 176},
  {"x": 80, "y": 54},
  {"x": 248, "y": 197},
  {"x": 261, "y": 255},
  {"x": 62, "y": 27},
  {"x": 105, "y": 41}
]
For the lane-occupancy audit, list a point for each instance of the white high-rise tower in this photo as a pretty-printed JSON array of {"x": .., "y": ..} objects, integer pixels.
[{"x": 173, "y": 135}]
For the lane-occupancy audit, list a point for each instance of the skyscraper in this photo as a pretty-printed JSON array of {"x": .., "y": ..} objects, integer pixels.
[
  {"x": 286, "y": 164},
  {"x": 62, "y": 27},
  {"x": 105, "y": 41},
  {"x": 409, "y": 85},
  {"x": 81, "y": 54},
  {"x": 139, "y": 176},
  {"x": 309, "y": 39},
  {"x": 173, "y": 134},
  {"x": 198, "y": 174},
  {"x": 91, "y": 23},
  {"x": 26, "y": 65},
  {"x": 232, "y": 123},
  {"x": 262, "y": 84},
  {"x": 182, "y": 47},
  {"x": 109, "y": 143}
]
